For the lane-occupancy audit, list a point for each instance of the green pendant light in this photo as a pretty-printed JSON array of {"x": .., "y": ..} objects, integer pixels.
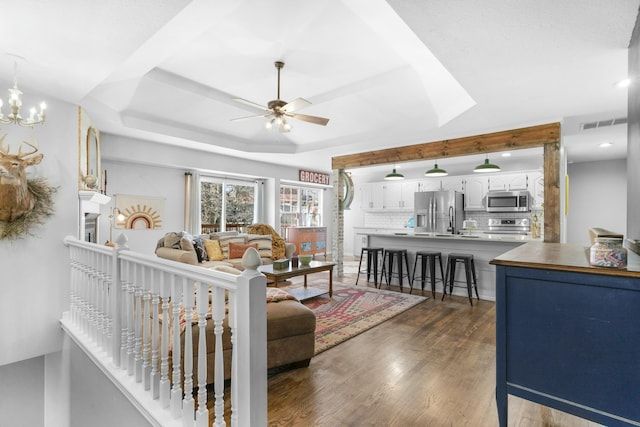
[
  {"x": 394, "y": 176},
  {"x": 436, "y": 171},
  {"x": 486, "y": 167}
]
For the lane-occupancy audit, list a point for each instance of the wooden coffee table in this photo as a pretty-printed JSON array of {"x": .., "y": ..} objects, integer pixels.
[{"x": 302, "y": 270}]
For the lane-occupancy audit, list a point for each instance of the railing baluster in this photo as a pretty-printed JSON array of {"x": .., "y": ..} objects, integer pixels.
[
  {"x": 155, "y": 341},
  {"x": 124, "y": 337},
  {"x": 202, "y": 306},
  {"x": 107, "y": 324},
  {"x": 218, "y": 318},
  {"x": 176, "y": 389},
  {"x": 131, "y": 328},
  {"x": 233, "y": 318},
  {"x": 165, "y": 293},
  {"x": 188, "y": 406},
  {"x": 139, "y": 318},
  {"x": 146, "y": 329}
]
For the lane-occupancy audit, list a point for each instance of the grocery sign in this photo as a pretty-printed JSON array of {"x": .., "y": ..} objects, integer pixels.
[{"x": 314, "y": 177}]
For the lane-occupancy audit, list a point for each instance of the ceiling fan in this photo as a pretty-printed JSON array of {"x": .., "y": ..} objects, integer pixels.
[{"x": 279, "y": 110}]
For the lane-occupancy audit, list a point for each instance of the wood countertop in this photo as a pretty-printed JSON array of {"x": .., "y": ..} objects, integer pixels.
[{"x": 563, "y": 257}]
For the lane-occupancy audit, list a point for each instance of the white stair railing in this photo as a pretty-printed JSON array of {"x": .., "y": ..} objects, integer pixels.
[{"x": 126, "y": 311}]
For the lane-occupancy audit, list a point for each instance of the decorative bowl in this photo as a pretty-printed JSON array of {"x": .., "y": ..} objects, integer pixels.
[{"x": 304, "y": 259}]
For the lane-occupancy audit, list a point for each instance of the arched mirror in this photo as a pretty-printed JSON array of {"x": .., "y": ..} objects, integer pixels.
[
  {"x": 89, "y": 168},
  {"x": 93, "y": 159}
]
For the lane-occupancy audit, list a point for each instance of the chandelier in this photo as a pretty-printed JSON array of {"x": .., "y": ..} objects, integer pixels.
[{"x": 15, "y": 102}]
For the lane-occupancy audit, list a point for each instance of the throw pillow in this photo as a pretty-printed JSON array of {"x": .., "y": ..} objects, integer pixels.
[
  {"x": 224, "y": 243},
  {"x": 187, "y": 245},
  {"x": 264, "y": 244},
  {"x": 214, "y": 251},
  {"x": 160, "y": 243},
  {"x": 198, "y": 244},
  {"x": 237, "y": 250},
  {"x": 172, "y": 240},
  {"x": 277, "y": 248},
  {"x": 276, "y": 294},
  {"x": 219, "y": 234}
]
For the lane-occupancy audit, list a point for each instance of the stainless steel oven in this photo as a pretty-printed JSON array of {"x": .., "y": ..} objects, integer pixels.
[
  {"x": 508, "y": 201},
  {"x": 520, "y": 226}
]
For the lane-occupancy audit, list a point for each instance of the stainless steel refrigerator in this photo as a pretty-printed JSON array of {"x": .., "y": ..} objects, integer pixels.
[{"x": 440, "y": 212}]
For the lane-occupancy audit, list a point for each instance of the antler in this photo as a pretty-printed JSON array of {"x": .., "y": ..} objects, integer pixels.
[
  {"x": 2, "y": 150},
  {"x": 22, "y": 155}
]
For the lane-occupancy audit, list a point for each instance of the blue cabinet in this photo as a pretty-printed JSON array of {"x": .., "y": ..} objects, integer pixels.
[{"x": 568, "y": 336}]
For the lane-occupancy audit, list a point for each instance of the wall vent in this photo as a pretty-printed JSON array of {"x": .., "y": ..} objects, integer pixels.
[{"x": 603, "y": 123}]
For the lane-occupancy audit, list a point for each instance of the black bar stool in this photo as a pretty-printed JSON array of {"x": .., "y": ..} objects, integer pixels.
[
  {"x": 387, "y": 267},
  {"x": 470, "y": 271},
  {"x": 374, "y": 255},
  {"x": 428, "y": 258}
]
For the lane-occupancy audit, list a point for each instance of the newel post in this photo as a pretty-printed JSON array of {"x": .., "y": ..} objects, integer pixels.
[
  {"x": 116, "y": 300},
  {"x": 250, "y": 367}
]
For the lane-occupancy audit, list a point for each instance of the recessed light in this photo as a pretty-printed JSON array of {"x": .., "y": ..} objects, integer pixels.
[
  {"x": 623, "y": 83},
  {"x": 606, "y": 144},
  {"x": 506, "y": 154}
]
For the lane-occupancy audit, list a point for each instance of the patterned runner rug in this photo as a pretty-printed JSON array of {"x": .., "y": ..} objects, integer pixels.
[{"x": 353, "y": 310}]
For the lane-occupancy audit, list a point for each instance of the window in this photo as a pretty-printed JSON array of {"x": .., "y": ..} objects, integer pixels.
[
  {"x": 300, "y": 206},
  {"x": 226, "y": 205}
]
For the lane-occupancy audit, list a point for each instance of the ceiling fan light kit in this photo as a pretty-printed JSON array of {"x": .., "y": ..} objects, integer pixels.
[{"x": 277, "y": 111}]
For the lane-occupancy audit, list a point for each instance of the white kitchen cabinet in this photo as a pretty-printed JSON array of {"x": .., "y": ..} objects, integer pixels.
[
  {"x": 509, "y": 182},
  {"x": 409, "y": 188},
  {"x": 475, "y": 189},
  {"x": 430, "y": 184},
  {"x": 452, "y": 183},
  {"x": 392, "y": 197},
  {"x": 399, "y": 195},
  {"x": 371, "y": 195}
]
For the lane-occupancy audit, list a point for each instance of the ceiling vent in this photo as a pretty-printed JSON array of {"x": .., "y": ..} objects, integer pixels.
[{"x": 603, "y": 123}]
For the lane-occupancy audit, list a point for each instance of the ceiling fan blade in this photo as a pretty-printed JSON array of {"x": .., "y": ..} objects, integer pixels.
[
  {"x": 250, "y": 117},
  {"x": 295, "y": 105},
  {"x": 311, "y": 119},
  {"x": 251, "y": 104}
]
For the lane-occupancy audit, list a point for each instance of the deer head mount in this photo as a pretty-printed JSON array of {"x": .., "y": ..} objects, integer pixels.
[{"x": 16, "y": 199}]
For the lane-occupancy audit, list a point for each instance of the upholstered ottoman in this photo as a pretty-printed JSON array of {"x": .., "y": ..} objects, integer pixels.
[
  {"x": 290, "y": 338},
  {"x": 291, "y": 335}
]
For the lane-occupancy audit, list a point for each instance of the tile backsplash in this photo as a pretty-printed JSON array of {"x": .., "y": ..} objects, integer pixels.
[{"x": 386, "y": 219}]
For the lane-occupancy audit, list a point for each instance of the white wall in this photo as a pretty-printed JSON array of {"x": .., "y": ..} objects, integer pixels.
[
  {"x": 597, "y": 198},
  {"x": 95, "y": 400},
  {"x": 22, "y": 381},
  {"x": 34, "y": 269}
]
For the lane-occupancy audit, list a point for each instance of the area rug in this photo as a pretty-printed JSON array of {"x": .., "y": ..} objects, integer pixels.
[{"x": 353, "y": 310}]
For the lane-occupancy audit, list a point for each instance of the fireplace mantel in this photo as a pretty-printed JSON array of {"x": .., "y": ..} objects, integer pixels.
[{"x": 90, "y": 202}]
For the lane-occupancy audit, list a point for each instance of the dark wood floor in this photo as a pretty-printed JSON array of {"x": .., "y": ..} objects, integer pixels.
[{"x": 433, "y": 365}]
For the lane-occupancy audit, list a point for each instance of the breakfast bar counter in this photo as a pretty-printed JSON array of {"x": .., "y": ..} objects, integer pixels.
[
  {"x": 567, "y": 333},
  {"x": 483, "y": 248}
]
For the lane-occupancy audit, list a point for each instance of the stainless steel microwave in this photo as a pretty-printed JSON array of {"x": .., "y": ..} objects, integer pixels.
[{"x": 508, "y": 201}]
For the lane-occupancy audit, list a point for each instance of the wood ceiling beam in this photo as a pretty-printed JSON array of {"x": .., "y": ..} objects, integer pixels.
[
  {"x": 515, "y": 139},
  {"x": 546, "y": 136}
]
